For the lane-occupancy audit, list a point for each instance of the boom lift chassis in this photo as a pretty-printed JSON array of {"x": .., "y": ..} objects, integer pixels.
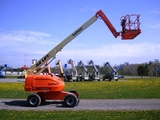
[
  {"x": 74, "y": 70},
  {"x": 50, "y": 87},
  {"x": 96, "y": 75},
  {"x": 85, "y": 74}
]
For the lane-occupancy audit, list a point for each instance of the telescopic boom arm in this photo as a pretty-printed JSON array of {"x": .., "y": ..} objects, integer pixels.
[
  {"x": 92, "y": 63},
  {"x": 107, "y": 63},
  {"x": 80, "y": 63},
  {"x": 126, "y": 63},
  {"x": 73, "y": 67},
  {"x": 46, "y": 59},
  {"x": 59, "y": 47}
]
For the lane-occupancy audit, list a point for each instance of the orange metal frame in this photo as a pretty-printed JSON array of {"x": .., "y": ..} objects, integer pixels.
[
  {"x": 44, "y": 83},
  {"x": 131, "y": 27},
  {"x": 108, "y": 23},
  {"x": 130, "y": 30}
]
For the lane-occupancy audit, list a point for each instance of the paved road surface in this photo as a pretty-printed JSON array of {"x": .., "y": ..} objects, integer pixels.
[
  {"x": 12, "y": 80},
  {"x": 129, "y": 104}
]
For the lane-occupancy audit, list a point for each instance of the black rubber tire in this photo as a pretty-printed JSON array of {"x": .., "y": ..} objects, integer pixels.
[
  {"x": 70, "y": 100},
  {"x": 34, "y": 100}
]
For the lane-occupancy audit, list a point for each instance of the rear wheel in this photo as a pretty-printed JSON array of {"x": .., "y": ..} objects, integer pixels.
[
  {"x": 75, "y": 93},
  {"x": 34, "y": 100},
  {"x": 70, "y": 100}
]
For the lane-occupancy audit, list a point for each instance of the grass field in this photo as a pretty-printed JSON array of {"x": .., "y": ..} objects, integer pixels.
[
  {"x": 79, "y": 115},
  {"x": 123, "y": 89}
]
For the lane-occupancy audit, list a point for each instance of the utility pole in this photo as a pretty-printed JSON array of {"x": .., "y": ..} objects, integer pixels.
[{"x": 156, "y": 62}]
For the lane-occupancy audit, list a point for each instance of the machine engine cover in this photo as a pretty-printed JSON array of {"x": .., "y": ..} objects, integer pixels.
[{"x": 44, "y": 83}]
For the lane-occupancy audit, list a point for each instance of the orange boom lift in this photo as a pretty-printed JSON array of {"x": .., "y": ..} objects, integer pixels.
[{"x": 50, "y": 87}]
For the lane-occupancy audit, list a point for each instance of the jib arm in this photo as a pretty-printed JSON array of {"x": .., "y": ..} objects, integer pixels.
[{"x": 108, "y": 23}]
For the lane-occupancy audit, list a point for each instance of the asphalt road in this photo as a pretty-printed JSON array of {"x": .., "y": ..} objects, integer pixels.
[
  {"x": 123, "y": 104},
  {"x": 11, "y": 80}
]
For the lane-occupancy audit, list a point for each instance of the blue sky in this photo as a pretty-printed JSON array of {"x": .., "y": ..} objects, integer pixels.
[{"x": 32, "y": 28}]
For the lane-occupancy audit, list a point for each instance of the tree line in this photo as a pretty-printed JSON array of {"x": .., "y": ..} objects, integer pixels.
[
  {"x": 151, "y": 68},
  {"x": 143, "y": 69}
]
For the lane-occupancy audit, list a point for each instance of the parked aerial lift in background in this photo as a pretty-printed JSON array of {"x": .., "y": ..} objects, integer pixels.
[
  {"x": 85, "y": 74},
  {"x": 50, "y": 87},
  {"x": 120, "y": 67},
  {"x": 61, "y": 74},
  {"x": 1, "y": 71},
  {"x": 114, "y": 74},
  {"x": 96, "y": 75},
  {"x": 74, "y": 70},
  {"x": 67, "y": 73}
]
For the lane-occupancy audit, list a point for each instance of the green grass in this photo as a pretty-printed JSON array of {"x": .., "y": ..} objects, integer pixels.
[
  {"x": 79, "y": 115},
  {"x": 122, "y": 89}
]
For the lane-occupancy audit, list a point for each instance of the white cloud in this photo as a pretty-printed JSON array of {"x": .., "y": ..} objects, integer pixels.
[
  {"x": 116, "y": 50},
  {"x": 23, "y": 36},
  {"x": 111, "y": 52}
]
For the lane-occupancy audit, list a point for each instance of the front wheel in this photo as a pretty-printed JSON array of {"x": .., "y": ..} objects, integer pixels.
[
  {"x": 70, "y": 100},
  {"x": 34, "y": 100}
]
